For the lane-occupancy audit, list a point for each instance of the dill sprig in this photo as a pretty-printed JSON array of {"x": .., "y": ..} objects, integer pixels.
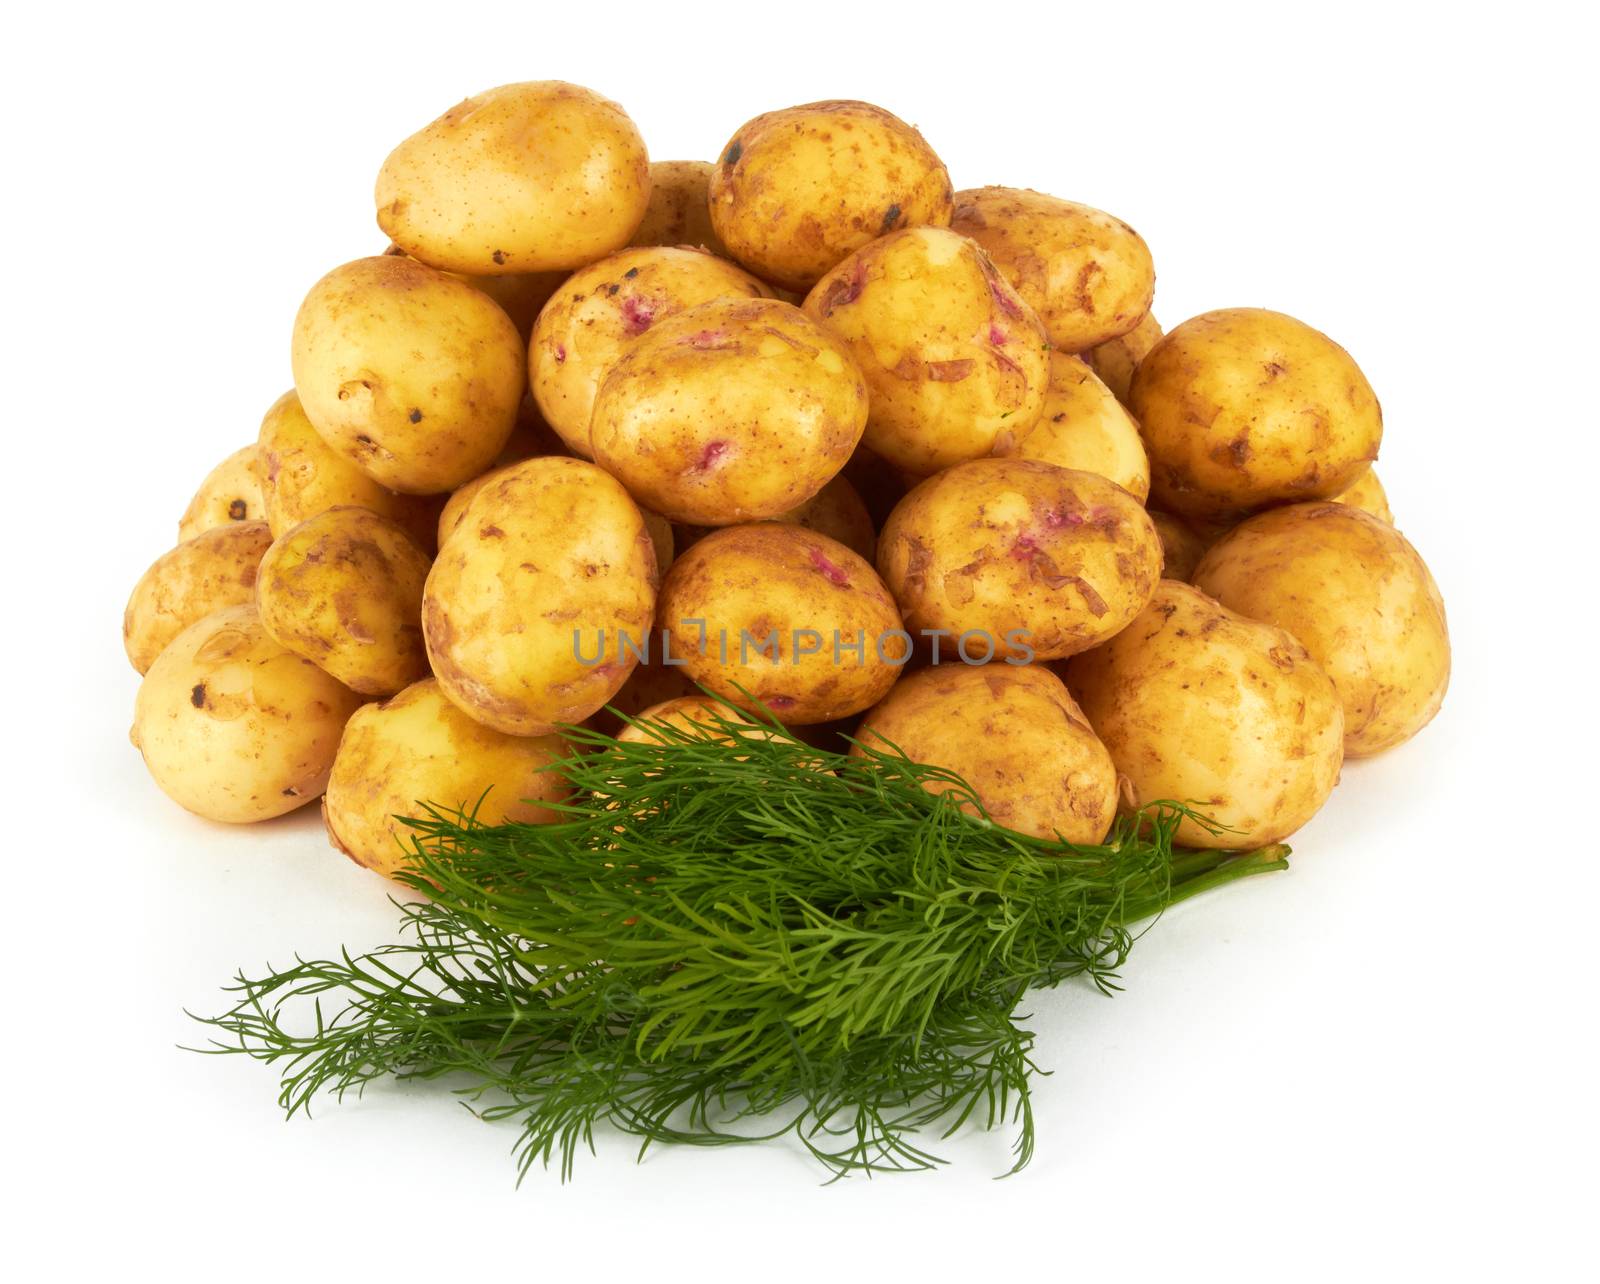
[{"x": 728, "y": 938}]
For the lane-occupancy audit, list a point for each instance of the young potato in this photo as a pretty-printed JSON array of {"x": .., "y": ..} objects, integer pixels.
[
  {"x": 1201, "y": 706},
  {"x": 1182, "y": 546},
  {"x": 796, "y": 619},
  {"x": 698, "y": 715},
  {"x": 732, "y": 411},
  {"x": 551, "y": 552},
  {"x": 879, "y": 483},
  {"x": 216, "y": 568},
  {"x": 230, "y": 493},
  {"x": 344, "y": 590},
  {"x": 838, "y": 512},
  {"x": 301, "y": 476},
  {"x": 956, "y": 363},
  {"x": 601, "y": 312},
  {"x": 534, "y": 177},
  {"x": 410, "y": 373},
  {"x": 1039, "y": 561},
  {"x": 1245, "y": 408},
  {"x": 235, "y": 728},
  {"x": 1366, "y": 493},
  {"x": 1083, "y": 426},
  {"x": 417, "y": 748},
  {"x": 797, "y": 190},
  {"x": 1115, "y": 359},
  {"x": 1353, "y": 590},
  {"x": 679, "y": 212},
  {"x": 1015, "y": 734},
  {"x": 520, "y": 294},
  {"x": 652, "y": 682},
  {"x": 1089, "y": 276}
]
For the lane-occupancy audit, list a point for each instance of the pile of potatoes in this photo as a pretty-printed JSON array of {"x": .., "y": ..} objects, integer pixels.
[{"x": 804, "y": 392}]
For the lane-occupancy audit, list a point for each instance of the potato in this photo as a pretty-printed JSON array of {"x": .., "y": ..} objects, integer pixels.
[
  {"x": 679, "y": 211},
  {"x": 1245, "y": 408},
  {"x": 230, "y": 493},
  {"x": 1354, "y": 591},
  {"x": 1089, "y": 276},
  {"x": 1084, "y": 427},
  {"x": 838, "y": 512},
  {"x": 796, "y": 619},
  {"x": 301, "y": 476},
  {"x": 410, "y": 373},
  {"x": 1115, "y": 359},
  {"x": 797, "y": 190},
  {"x": 416, "y": 748},
  {"x": 732, "y": 411},
  {"x": 1201, "y": 706},
  {"x": 520, "y": 294},
  {"x": 551, "y": 553},
  {"x": 344, "y": 590},
  {"x": 879, "y": 483},
  {"x": 1366, "y": 493},
  {"x": 697, "y": 715},
  {"x": 955, "y": 361},
  {"x": 1036, "y": 561},
  {"x": 215, "y": 569},
  {"x": 602, "y": 310},
  {"x": 653, "y": 681},
  {"x": 1182, "y": 546},
  {"x": 533, "y": 177},
  {"x": 232, "y": 726},
  {"x": 1012, "y": 732}
]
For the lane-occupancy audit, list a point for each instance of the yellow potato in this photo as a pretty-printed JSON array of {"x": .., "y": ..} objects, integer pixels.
[
  {"x": 551, "y": 553},
  {"x": 235, "y": 728},
  {"x": 1088, "y": 275},
  {"x": 1031, "y": 560},
  {"x": 1198, "y": 705},
  {"x": 697, "y": 715},
  {"x": 411, "y": 373},
  {"x": 1366, "y": 493},
  {"x": 796, "y": 619},
  {"x": 1354, "y": 591},
  {"x": 301, "y": 476},
  {"x": 1114, "y": 360},
  {"x": 879, "y": 483},
  {"x": 797, "y": 190},
  {"x": 216, "y": 568},
  {"x": 1182, "y": 546},
  {"x": 1012, "y": 732},
  {"x": 838, "y": 512},
  {"x": 520, "y": 294},
  {"x": 1083, "y": 426},
  {"x": 344, "y": 590},
  {"x": 230, "y": 493},
  {"x": 1245, "y": 408},
  {"x": 653, "y": 681},
  {"x": 419, "y": 748},
  {"x": 956, "y": 363},
  {"x": 534, "y": 177},
  {"x": 679, "y": 212},
  {"x": 733, "y": 411},
  {"x": 601, "y": 312}
]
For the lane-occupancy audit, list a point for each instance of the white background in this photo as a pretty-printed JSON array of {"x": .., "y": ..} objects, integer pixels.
[{"x": 1379, "y": 1064}]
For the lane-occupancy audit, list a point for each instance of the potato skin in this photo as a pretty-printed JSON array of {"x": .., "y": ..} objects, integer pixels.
[
  {"x": 344, "y": 590},
  {"x": 1043, "y": 560},
  {"x": 771, "y": 579},
  {"x": 1355, "y": 592},
  {"x": 697, "y": 714},
  {"x": 1114, "y": 360},
  {"x": 1367, "y": 494},
  {"x": 1012, "y": 732},
  {"x": 230, "y": 493},
  {"x": 233, "y": 727},
  {"x": 1083, "y": 426},
  {"x": 679, "y": 212},
  {"x": 602, "y": 310},
  {"x": 1199, "y": 705},
  {"x": 955, "y": 361},
  {"x": 215, "y": 569},
  {"x": 533, "y": 177},
  {"x": 550, "y": 551},
  {"x": 301, "y": 476},
  {"x": 733, "y": 411},
  {"x": 796, "y": 190},
  {"x": 411, "y": 374},
  {"x": 1182, "y": 546},
  {"x": 1245, "y": 408},
  {"x": 1088, "y": 275},
  {"x": 417, "y": 747},
  {"x": 520, "y": 294}
]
